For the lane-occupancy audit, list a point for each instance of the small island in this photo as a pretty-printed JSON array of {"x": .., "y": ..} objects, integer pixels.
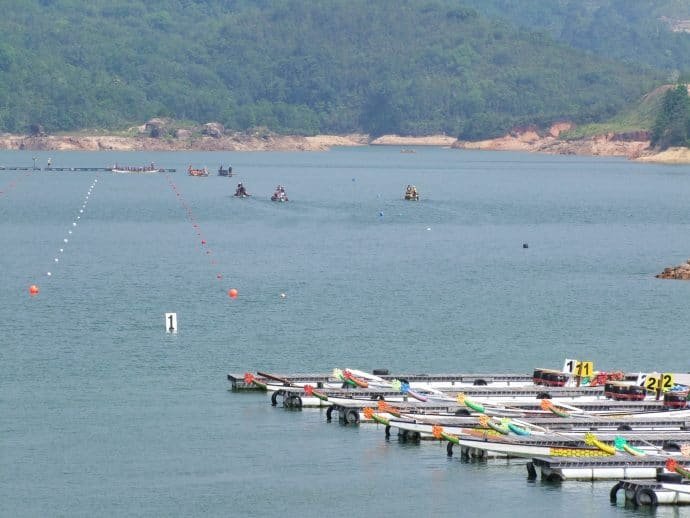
[{"x": 680, "y": 272}]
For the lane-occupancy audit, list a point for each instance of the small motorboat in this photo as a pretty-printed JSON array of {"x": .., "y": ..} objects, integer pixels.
[
  {"x": 411, "y": 193},
  {"x": 241, "y": 191},
  {"x": 224, "y": 172},
  {"x": 197, "y": 172},
  {"x": 279, "y": 195}
]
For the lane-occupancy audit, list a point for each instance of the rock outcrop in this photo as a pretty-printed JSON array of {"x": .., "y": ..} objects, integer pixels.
[
  {"x": 213, "y": 129},
  {"x": 631, "y": 145},
  {"x": 680, "y": 272}
]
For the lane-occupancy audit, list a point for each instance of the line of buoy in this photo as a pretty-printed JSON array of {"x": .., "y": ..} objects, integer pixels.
[
  {"x": 232, "y": 292},
  {"x": 33, "y": 288}
]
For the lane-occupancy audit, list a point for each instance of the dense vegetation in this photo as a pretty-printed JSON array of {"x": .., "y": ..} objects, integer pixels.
[
  {"x": 636, "y": 32},
  {"x": 672, "y": 127},
  {"x": 299, "y": 66}
]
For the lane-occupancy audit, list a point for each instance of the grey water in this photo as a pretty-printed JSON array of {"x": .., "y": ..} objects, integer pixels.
[{"x": 104, "y": 413}]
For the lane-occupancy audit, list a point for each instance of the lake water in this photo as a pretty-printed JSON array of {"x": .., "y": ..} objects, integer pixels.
[{"x": 106, "y": 414}]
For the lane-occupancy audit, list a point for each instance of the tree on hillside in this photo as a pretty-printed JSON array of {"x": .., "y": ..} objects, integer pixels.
[{"x": 672, "y": 126}]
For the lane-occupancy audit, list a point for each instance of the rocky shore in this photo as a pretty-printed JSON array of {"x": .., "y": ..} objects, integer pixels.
[
  {"x": 680, "y": 272},
  {"x": 156, "y": 136}
]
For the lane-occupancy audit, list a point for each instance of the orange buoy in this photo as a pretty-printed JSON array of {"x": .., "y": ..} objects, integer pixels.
[
  {"x": 33, "y": 290},
  {"x": 232, "y": 293}
]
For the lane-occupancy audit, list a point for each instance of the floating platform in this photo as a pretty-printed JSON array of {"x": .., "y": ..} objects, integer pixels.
[
  {"x": 671, "y": 490},
  {"x": 75, "y": 169},
  {"x": 601, "y": 468},
  {"x": 433, "y": 380}
]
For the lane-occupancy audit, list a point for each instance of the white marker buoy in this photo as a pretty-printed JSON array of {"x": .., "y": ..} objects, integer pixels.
[{"x": 171, "y": 322}]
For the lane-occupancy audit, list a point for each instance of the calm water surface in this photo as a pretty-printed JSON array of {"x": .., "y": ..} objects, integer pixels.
[{"x": 104, "y": 414}]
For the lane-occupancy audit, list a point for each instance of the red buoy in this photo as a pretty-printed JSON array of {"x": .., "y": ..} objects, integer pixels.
[
  {"x": 232, "y": 293},
  {"x": 33, "y": 290}
]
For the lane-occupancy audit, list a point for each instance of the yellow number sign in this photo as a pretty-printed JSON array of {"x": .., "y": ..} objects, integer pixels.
[{"x": 584, "y": 369}]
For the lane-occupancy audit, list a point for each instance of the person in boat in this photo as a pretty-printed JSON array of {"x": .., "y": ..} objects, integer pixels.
[
  {"x": 241, "y": 190},
  {"x": 279, "y": 194}
]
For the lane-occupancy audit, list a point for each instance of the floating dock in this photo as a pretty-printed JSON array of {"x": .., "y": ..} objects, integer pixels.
[
  {"x": 479, "y": 442},
  {"x": 237, "y": 381},
  {"x": 670, "y": 490},
  {"x": 639, "y": 435},
  {"x": 600, "y": 468},
  {"x": 75, "y": 169}
]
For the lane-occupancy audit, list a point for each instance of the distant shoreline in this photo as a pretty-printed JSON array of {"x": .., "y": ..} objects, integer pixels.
[{"x": 526, "y": 141}]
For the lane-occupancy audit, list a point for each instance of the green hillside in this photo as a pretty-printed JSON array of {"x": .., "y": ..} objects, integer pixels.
[
  {"x": 638, "y": 116},
  {"x": 651, "y": 32},
  {"x": 297, "y": 66}
]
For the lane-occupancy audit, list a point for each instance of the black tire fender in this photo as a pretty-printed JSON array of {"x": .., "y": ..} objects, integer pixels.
[{"x": 646, "y": 496}]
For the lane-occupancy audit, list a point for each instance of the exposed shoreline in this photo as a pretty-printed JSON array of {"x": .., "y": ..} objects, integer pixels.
[{"x": 526, "y": 140}]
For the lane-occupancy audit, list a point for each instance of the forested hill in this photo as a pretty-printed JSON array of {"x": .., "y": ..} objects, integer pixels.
[
  {"x": 652, "y": 32},
  {"x": 299, "y": 66}
]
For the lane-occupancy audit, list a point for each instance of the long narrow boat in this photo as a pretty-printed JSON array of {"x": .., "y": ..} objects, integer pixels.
[
  {"x": 417, "y": 428},
  {"x": 197, "y": 172},
  {"x": 564, "y": 444},
  {"x": 136, "y": 170}
]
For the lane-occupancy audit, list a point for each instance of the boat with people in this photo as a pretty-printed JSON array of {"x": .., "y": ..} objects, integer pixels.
[
  {"x": 224, "y": 172},
  {"x": 197, "y": 172},
  {"x": 241, "y": 191},
  {"x": 279, "y": 194},
  {"x": 151, "y": 168},
  {"x": 411, "y": 193}
]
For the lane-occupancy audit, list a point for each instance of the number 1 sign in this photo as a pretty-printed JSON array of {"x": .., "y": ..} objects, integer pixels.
[{"x": 171, "y": 322}]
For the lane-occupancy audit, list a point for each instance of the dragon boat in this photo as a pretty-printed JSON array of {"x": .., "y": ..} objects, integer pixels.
[
  {"x": 136, "y": 169},
  {"x": 197, "y": 172}
]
